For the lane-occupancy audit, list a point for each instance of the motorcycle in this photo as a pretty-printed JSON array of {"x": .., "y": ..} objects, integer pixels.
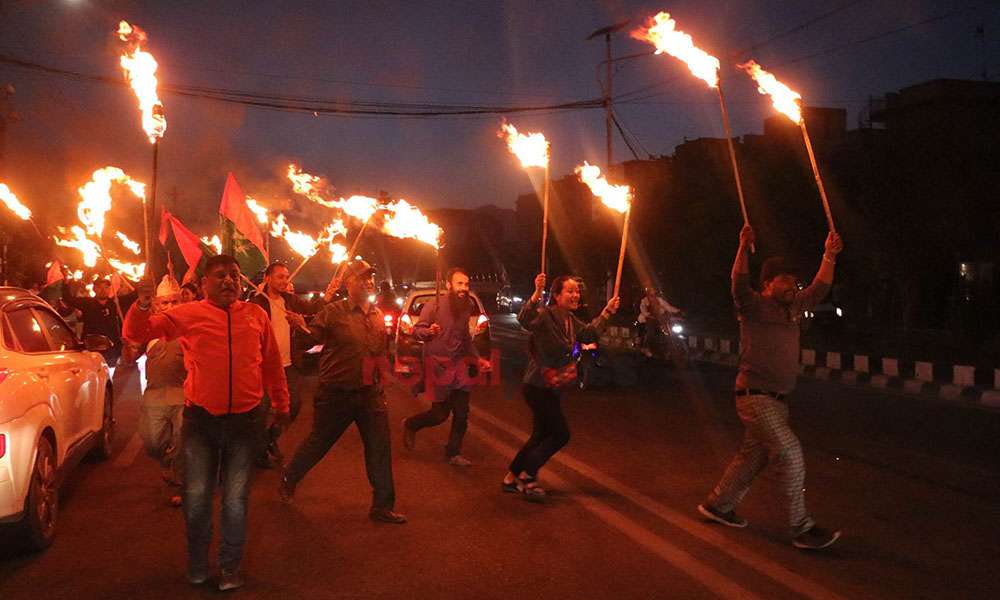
[{"x": 664, "y": 339}]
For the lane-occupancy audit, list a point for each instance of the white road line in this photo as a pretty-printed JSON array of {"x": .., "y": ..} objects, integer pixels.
[
  {"x": 131, "y": 450},
  {"x": 714, "y": 581},
  {"x": 768, "y": 567}
]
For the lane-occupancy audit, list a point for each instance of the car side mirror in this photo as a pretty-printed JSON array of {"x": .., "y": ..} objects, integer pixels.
[{"x": 96, "y": 343}]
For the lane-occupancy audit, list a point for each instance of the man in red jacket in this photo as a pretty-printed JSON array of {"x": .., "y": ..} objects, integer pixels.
[{"x": 231, "y": 357}]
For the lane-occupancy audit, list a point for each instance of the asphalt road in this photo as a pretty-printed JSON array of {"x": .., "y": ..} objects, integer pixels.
[{"x": 913, "y": 484}]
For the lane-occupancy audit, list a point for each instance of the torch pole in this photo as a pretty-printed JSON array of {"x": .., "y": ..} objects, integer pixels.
[
  {"x": 150, "y": 251},
  {"x": 437, "y": 277},
  {"x": 545, "y": 216},
  {"x": 621, "y": 253},
  {"x": 299, "y": 268},
  {"x": 354, "y": 246},
  {"x": 732, "y": 156},
  {"x": 819, "y": 181}
]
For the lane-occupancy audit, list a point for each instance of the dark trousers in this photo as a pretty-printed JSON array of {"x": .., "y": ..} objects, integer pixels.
[
  {"x": 294, "y": 401},
  {"x": 334, "y": 410},
  {"x": 455, "y": 403},
  {"x": 214, "y": 445},
  {"x": 549, "y": 431}
]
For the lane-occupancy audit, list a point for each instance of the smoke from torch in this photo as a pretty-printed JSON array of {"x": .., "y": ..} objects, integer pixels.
[{"x": 140, "y": 70}]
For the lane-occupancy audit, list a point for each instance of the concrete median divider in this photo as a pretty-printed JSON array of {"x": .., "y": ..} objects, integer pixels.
[{"x": 965, "y": 384}]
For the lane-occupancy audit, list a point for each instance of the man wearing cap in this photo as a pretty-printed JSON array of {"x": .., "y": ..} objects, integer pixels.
[
  {"x": 231, "y": 358},
  {"x": 352, "y": 332},
  {"x": 163, "y": 399},
  {"x": 768, "y": 368},
  {"x": 288, "y": 318}
]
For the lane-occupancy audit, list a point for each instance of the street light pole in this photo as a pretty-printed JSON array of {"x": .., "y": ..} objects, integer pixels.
[{"x": 606, "y": 32}]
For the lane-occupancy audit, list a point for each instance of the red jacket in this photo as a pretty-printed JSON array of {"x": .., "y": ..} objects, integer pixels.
[{"x": 231, "y": 355}]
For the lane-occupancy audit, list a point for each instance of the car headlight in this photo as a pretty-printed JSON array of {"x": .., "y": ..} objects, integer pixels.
[
  {"x": 677, "y": 329},
  {"x": 840, "y": 313},
  {"x": 518, "y": 299}
]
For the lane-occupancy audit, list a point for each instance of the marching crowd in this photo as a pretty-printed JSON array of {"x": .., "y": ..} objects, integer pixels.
[{"x": 223, "y": 382}]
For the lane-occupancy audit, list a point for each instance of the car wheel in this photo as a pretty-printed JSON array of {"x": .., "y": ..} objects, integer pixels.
[
  {"x": 41, "y": 507},
  {"x": 103, "y": 449}
]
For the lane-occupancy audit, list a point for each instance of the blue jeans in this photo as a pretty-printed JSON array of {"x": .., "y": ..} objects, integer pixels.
[{"x": 214, "y": 446}]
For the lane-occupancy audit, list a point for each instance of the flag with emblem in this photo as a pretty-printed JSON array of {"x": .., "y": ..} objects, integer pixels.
[
  {"x": 240, "y": 236},
  {"x": 191, "y": 247}
]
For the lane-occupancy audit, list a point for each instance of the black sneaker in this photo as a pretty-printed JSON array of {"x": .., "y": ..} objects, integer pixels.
[
  {"x": 816, "y": 538},
  {"x": 730, "y": 518}
]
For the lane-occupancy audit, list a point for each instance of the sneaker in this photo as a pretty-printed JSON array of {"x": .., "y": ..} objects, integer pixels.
[
  {"x": 728, "y": 518},
  {"x": 286, "y": 490},
  {"x": 386, "y": 515},
  {"x": 230, "y": 580},
  {"x": 816, "y": 538},
  {"x": 197, "y": 575},
  {"x": 409, "y": 436},
  {"x": 459, "y": 461},
  {"x": 275, "y": 451}
]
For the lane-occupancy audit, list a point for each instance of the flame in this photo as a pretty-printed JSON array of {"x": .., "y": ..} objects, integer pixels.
[
  {"x": 259, "y": 211},
  {"x": 404, "y": 220},
  {"x": 532, "y": 149},
  {"x": 133, "y": 246},
  {"x": 616, "y": 197},
  {"x": 306, "y": 184},
  {"x": 87, "y": 247},
  {"x": 13, "y": 203},
  {"x": 96, "y": 196},
  {"x": 302, "y": 243},
  {"x": 338, "y": 253},
  {"x": 661, "y": 33},
  {"x": 785, "y": 101},
  {"x": 140, "y": 70},
  {"x": 133, "y": 270},
  {"x": 215, "y": 243},
  {"x": 330, "y": 232},
  {"x": 359, "y": 207}
]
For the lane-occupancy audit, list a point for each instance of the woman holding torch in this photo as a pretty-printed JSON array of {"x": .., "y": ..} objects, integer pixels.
[{"x": 555, "y": 332}]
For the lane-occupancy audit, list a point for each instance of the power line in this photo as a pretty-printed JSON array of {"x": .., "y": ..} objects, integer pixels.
[{"x": 317, "y": 106}]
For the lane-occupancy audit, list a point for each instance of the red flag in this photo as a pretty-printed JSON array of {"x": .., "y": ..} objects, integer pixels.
[
  {"x": 234, "y": 207},
  {"x": 189, "y": 244},
  {"x": 54, "y": 274}
]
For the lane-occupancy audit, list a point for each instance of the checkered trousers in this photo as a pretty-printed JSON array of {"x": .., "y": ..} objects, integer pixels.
[{"x": 767, "y": 439}]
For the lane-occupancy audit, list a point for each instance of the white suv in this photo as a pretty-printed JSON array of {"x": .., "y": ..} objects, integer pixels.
[{"x": 55, "y": 407}]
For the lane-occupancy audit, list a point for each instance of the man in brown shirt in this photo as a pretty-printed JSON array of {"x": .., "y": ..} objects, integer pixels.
[
  {"x": 769, "y": 365},
  {"x": 352, "y": 332}
]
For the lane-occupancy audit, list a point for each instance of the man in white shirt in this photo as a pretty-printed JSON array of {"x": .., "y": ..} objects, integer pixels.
[{"x": 288, "y": 314}]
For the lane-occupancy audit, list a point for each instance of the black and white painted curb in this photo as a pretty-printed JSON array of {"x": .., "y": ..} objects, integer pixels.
[{"x": 957, "y": 383}]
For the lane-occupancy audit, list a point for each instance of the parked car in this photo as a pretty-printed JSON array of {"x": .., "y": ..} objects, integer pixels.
[
  {"x": 511, "y": 299},
  {"x": 408, "y": 348},
  {"x": 55, "y": 408}
]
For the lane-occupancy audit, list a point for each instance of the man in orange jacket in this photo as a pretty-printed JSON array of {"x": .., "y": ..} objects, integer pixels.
[{"x": 231, "y": 357}]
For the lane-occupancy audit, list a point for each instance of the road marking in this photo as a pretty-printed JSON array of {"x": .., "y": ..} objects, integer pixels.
[
  {"x": 768, "y": 567},
  {"x": 705, "y": 575},
  {"x": 131, "y": 450}
]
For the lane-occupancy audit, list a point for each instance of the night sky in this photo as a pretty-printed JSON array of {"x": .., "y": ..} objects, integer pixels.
[{"x": 458, "y": 52}]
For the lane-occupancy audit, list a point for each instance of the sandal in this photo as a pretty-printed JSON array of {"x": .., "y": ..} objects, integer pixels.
[
  {"x": 510, "y": 488},
  {"x": 532, "y": 491}
]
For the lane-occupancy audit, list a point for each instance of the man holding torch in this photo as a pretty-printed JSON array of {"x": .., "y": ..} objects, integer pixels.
[
  {"x": 352, "y": 332},
  {"x": 768, "y": 368},
  {"x": 231, "y": 356}
]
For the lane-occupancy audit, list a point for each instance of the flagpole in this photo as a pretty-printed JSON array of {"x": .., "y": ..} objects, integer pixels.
[
  {"x": 621, "y": 253},
  {"x": 819, "y": 180}
]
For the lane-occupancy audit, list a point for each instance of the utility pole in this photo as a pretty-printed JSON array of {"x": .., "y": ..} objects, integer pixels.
[{"x": 606, "y": 32}]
